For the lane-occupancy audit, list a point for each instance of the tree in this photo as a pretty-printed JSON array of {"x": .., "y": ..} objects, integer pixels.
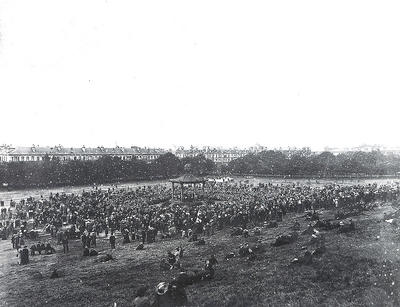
[
  {"x": 168, "y": 165},
  {"x": 200, "y": 165},
  {"x": 273, "y": 162},
  {"x": 324, "y": 163}
]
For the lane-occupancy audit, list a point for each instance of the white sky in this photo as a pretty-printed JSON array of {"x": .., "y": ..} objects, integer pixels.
[{"x": 223, "y": 73}]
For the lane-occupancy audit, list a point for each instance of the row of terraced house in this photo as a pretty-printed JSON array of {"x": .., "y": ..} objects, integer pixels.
[
  {"x": 36, "y": 153},
  {"x": 33, "y": 153},
  {"x": 218, "y": 155}
]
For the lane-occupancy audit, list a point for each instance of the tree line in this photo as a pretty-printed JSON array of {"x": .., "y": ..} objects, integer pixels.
[
  {"x": 53, "y": 172},
  {"x": 303, "y": 162}
]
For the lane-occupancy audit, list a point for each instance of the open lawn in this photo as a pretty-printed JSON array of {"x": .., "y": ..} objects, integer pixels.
[{"x": 359, "y": 268}]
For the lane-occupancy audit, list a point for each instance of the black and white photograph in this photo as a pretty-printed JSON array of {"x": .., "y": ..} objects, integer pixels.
[{"x": 225, "y": 153}]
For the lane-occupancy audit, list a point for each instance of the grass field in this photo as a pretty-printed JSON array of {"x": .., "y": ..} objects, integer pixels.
[
  {"x": 17, "y": 195},
  {"x": 358, "y": 269}
]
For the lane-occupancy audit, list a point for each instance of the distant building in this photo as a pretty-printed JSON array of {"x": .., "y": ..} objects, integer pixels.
[
  {"x": 217, "y": 155},
  {"x": 365, "y": 148},
  {"x": 37, "y": 153}
]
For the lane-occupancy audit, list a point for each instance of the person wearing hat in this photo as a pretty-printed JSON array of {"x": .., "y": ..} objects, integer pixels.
[
  {"x": 93, "y": 238},
  {"x": 39, "y": 248},
  {"x": 171, "y": 258},
  {"x": 49, "y": 249},
  {"x": 65, "y": 244},
  {"x": 42, "y": 246},
  {"x": 162, "y": 299},
  {"x": 13, "y": 240},
  {"x": 24, "y": 255},
  {"x": 33, "y": 249},
  {"x": 126, "y": 238},
  {"x": 84, "y": 239},
  {"x": 144, "y": 232},
  {"x": 112, "y": 241}
]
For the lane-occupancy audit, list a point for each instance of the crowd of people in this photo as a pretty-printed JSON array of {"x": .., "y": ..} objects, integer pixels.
[{"x": 148, "y": 212}]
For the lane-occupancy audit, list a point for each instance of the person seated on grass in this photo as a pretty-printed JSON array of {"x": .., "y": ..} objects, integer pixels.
[
  {"x": 170, "y": 294},
  {"x": 54, "y": 274},
  {"x": 193, "y": 237},
  {"x": 86, "y": 252},
  {"x": 171, "y": 258},
  {"x": 244, "y": 250},
  {"x": 178, "y": 293},
  {"x": 252, "y": 255},
  {"x": 49, "y": 249},
  {"x": 304, "y": 260},
  {"x": 296, "y": 226},
  {"x": 272, "y": 224},
  {"x": 209, "y": 269},
  {"x": 201, "y": 242},
  {"x": 33, "y": 250},
  {"x": 213, "y": 260},
  {"x": 39, "y": 248},
  {"x": 257, "y": 231},
  {"x": 346, "y": 227},
  {"x": 206, "y": 273},
  {"x": 178, "y": 252},
  {"x": 164, "y": 265},
  {"x": 285, "y": 239}
]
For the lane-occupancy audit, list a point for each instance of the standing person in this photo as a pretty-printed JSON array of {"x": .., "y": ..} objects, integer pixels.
[
  {"x": 93, "y": 239},
  {"x": 126, "y": 237},
  {"x": 21, "y": 241},
  {"x": 106, "y": 231},
  {"x": 84, "y": 240},
  {"x": 65, "y": 244},
  {"x": 60, "y": 236},
  {"x": 17, "y": 242},
  {"x": 112, "y": 241},
  {"x": 143, "y": 235},
  {"x": 24, "y": 256}
]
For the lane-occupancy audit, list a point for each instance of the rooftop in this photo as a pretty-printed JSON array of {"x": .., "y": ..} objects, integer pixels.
[{"x": 60, "y": 150}]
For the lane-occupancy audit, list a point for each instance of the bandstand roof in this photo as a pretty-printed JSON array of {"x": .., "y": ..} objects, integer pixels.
[{"x": 188, "y": 178}]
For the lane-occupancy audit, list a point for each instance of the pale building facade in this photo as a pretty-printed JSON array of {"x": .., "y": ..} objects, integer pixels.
[
  {"x": 36, "y": 153},
  {"x": 218, "y": 156}
]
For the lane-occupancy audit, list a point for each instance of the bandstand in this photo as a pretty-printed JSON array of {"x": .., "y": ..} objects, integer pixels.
[{"x": 186, "y": 180}]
